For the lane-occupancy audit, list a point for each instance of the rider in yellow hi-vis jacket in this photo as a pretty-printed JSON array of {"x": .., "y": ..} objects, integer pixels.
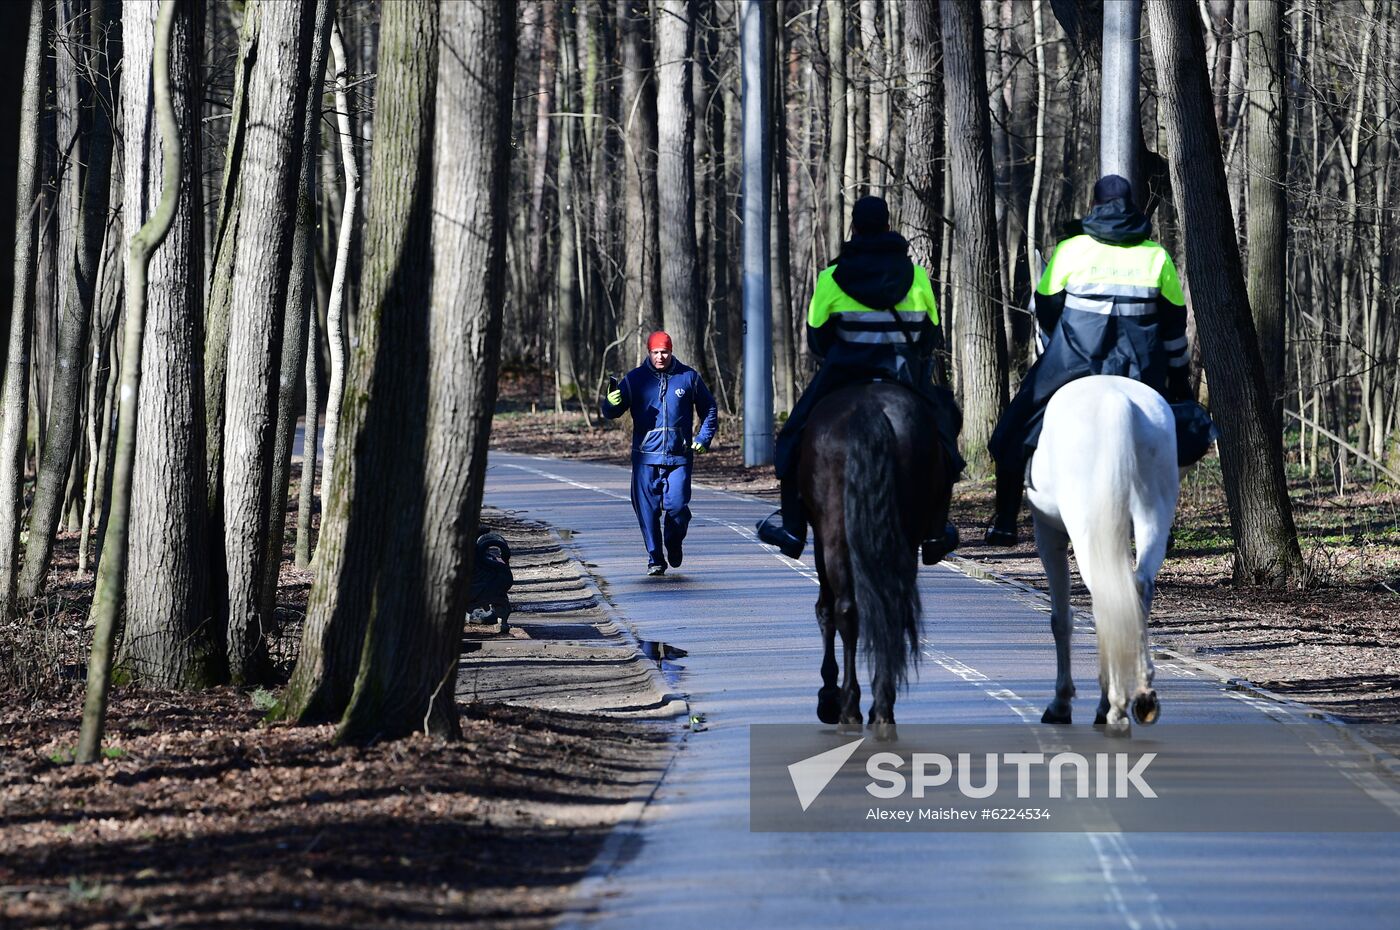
[
  {"x": 872, "y": 317},
  {"x": 1110, "y": 303}
]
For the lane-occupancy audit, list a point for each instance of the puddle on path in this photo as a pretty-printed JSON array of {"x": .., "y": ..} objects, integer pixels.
[{"x": 664, "y": 655}]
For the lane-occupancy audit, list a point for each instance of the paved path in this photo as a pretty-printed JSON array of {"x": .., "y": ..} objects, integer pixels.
[{"x": 745, "y": 615}]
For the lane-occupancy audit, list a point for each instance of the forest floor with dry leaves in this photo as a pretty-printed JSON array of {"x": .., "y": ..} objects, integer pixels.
[
  {"x": 1333, "y": 642},
  {"x": 204, "y": 815}
]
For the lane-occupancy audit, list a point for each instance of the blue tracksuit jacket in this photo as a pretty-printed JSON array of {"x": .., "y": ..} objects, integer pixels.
[{"x": 664, "y": 405}]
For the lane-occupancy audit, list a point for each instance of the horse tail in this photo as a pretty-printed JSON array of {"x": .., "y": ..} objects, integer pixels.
[
  {"x": 1105, "y": 555},
  {"x": 883, "y": 569}
]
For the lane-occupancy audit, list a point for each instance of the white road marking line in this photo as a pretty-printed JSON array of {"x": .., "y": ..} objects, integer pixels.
[{"x": 1114, "y": 858}]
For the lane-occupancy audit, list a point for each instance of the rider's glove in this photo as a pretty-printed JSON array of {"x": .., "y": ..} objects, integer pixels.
[
  {"x": 698, "y": 448},
  {"x": 615, "y": 397}
]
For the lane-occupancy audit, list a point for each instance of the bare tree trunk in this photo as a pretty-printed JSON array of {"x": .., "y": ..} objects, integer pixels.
[
  {"x": 836, "y": 193},
  {"x": 1261, "y": 517},
  {"x": 15, "y": 398},
  {"x": 1038, "y": 174},
  {"x": 223, "y": 249},
  {"x": 675, "y": 120},
  {"x": 409, "y": 667},
  {"x": 567, "y": 278},
  {"x": 221, "y": 279},
  {"x": 110, "y": 589},
  {"x": 642, "y": 293},
  {"x": 310, "y": 442},
  {"x": 270, "y": 177},
  {"x": 921, "y": 209},
  {"x": 335, "y": 305},
  {"x": 878, "y": 97},
  {"x": 101, "y": 376},
  {"x": 374, "y": 481},
  {"x": 301, "y": 296},
  {"x": 544, "y": 122},
  {"x": 79, "y": 278},
  {"x": 1268, "y": 205},
  {"x": 170, "y": 638},
  {"x": 784, "y": 358},
  {"x": 977, "y": 292}
]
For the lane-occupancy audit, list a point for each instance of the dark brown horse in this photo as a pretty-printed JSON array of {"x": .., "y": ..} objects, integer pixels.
[{"x": 874, "y": 484}]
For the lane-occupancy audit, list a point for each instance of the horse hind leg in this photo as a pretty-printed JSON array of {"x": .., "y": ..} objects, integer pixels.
[
  {"x": 829, "y": 697},
  {"x": 882, "y": 708},
  {"x": 847, "y": 624}
]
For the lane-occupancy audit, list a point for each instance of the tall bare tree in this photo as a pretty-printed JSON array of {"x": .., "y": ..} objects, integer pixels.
[
  {"x": 375, "y": 476},
  {"x": 641, "y": 263},
  {"x": 1261, "y": 517},
  {"x": 15, "y": 397},
  {"x": 79, "y": 277},
  {"x": 675, "y": 122},
  {"x": 838, "y": 198},
  {"x": 1267, "y": 225},
  {"x": 335, "y": 303},
  {"x": 270, "y": 177},
  {"x": 921, "y": 207},
  {"x": 976, "y": 296},
  {"x": 409, "y": 666},
  {"x": 110, "y": 590},
  {"x": 171, "y": 638},
  {"x": 301, "y": 295}
]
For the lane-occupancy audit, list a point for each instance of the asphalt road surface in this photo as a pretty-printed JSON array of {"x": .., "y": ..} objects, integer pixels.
[{"x": 745, "y": 616}]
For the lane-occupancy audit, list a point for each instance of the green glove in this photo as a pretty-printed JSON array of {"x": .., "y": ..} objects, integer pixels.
[
  {"x": 615, "y": 397},
  {"x": 698, "y": 448}
]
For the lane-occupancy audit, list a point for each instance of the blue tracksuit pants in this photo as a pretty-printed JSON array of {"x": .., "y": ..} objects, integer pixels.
[{"x": 659, "y": 490}]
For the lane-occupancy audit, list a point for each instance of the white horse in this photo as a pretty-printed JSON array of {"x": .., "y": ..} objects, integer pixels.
[{"x": 1104, "y": 478}]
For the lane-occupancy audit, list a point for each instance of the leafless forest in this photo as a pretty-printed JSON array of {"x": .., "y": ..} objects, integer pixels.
[{"x": 231, "y": 218}]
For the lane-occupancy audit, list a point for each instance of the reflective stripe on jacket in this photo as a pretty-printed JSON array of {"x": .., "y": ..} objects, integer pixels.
[{"x": 844, "y": 331}]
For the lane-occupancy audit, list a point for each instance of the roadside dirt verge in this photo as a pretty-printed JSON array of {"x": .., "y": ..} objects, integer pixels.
[{"x": 204, "y": 816}]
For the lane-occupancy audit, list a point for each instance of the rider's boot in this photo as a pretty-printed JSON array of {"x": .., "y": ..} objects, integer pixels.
[
  {"x": 941, "y": 545},
  {"x": 786, "y": 527},
  {"x": 1002, "y": 530}
]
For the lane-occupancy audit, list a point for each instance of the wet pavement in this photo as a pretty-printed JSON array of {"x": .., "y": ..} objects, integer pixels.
[{"x": 734, "y": 632}]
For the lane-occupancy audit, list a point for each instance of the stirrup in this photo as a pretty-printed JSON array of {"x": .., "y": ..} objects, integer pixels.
[
  {"x": 1001, "y": 536},
  {"x": 772, "y": 532}
]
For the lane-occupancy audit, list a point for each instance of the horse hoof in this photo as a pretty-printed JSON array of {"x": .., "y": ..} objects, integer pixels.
[
  {"x": 886, "y": 732},
  {"x": 847, "y": 727},
  {"x": 1146, "y": 708},
  {"x": 1100, "y": 719},
  {"x": 1120, "y": 729},
  {"x": 829, "y": 705},
  {"x": 1053, "y": 716}
]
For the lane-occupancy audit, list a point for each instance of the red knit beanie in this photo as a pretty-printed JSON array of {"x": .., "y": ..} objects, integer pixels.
[{"x": 658, "y": 340}]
